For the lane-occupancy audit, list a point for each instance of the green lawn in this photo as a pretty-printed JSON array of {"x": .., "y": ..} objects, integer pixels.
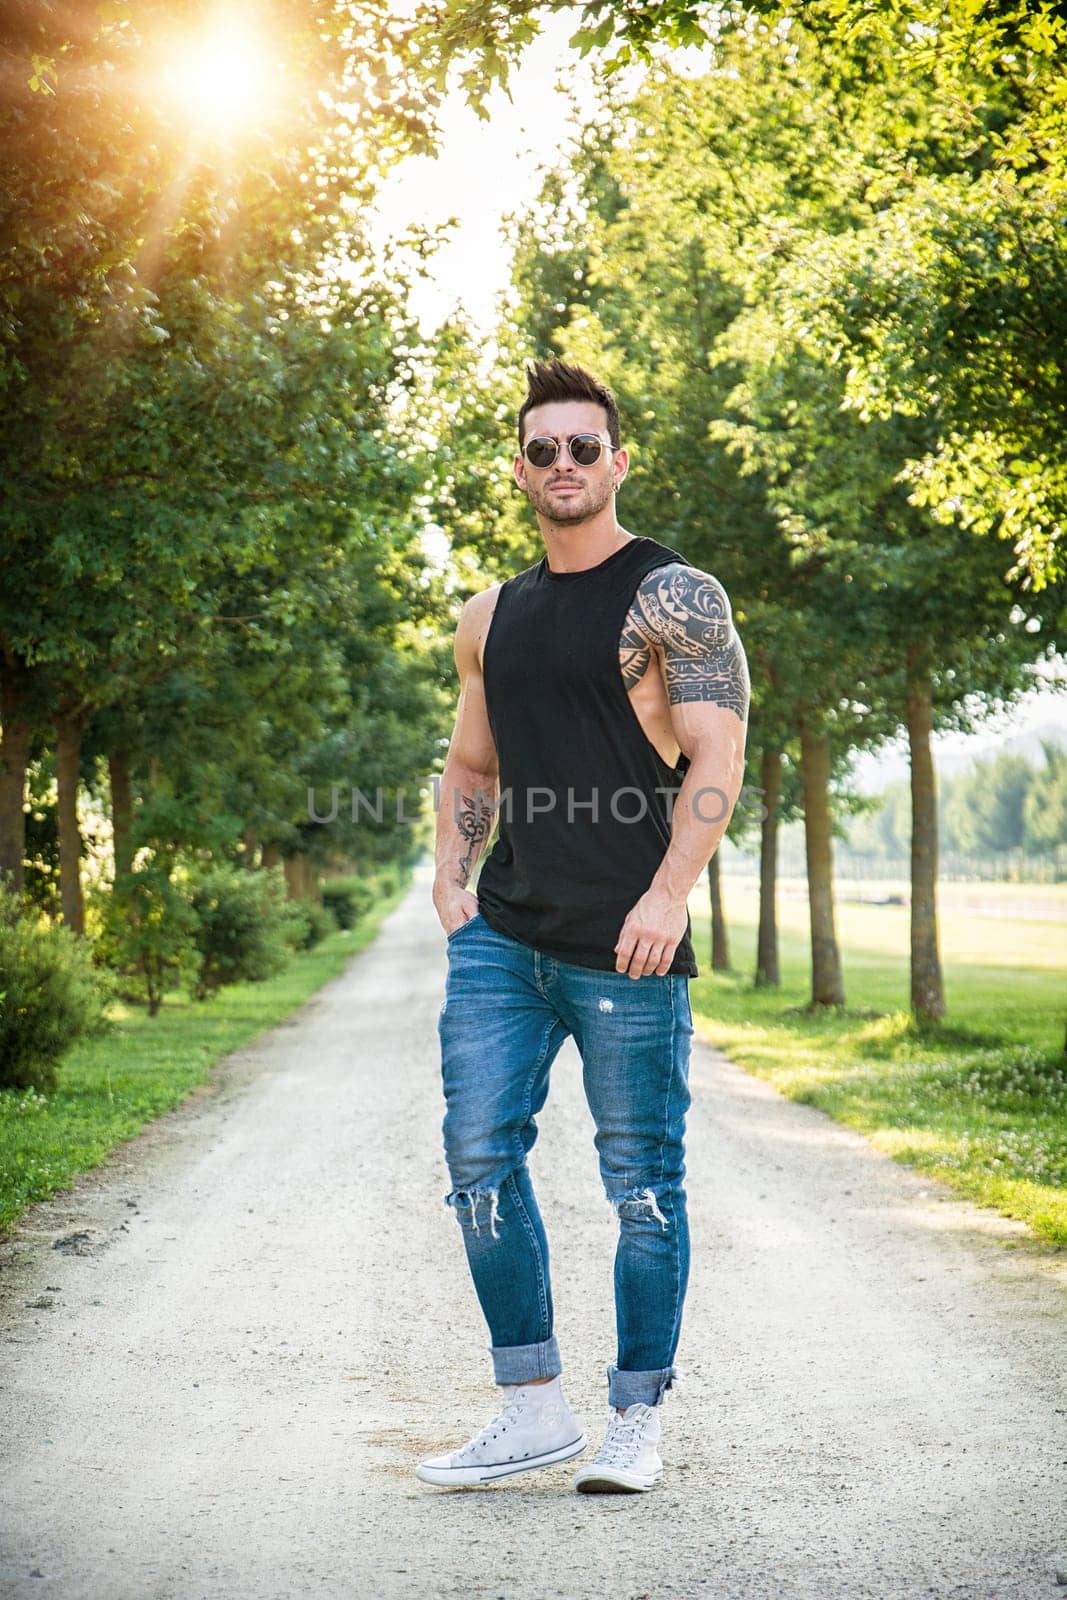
[
  {"x": 110, "y": 1087},
  {"x": 979, "y": 1101}
]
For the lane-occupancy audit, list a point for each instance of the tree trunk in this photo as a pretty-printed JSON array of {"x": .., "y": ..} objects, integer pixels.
[
  {"x": 118, "y": 767},
  {"x": 767, "y": 973},
  {"x": 16, "y": 738},
  {"x": 250, "y": 846},
  {"x": 720, "y": 944},
  {"x": 927, "y": 984},
  {"x": 270, "y": 856},
  {"x": 301, "y": 879},
  {"x": 826, "y": 985},
  {"x": 68, "y": 758}
]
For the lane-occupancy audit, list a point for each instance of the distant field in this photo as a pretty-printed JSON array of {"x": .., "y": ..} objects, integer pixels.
[
  {"x": 995, "y": 924},
  {"x": 980, "y": 1100}
]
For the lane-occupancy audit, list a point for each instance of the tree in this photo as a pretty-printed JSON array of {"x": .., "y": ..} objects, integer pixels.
[
  {"x": 1045, "y": 804},
  {"x": 191, "y": 388},
  {"x": 968, "y": 191},
  {"x": 696, "y": 250}
]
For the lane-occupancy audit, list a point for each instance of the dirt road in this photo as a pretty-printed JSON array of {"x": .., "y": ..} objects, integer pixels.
[{"x": 223, "y": 1355}]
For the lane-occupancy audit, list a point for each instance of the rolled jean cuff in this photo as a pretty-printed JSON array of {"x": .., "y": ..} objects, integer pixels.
[
  {"x": 639, "y": 1388},
  {"x": 518, "y": 1363}
]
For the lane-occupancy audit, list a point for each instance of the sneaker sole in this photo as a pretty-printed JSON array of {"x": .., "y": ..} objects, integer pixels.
[
  {"x": 600, "y": 1480},
  {"x": 456, "y": 1477}
]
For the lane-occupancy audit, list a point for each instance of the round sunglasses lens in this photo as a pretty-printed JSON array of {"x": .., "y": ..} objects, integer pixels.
[
  {"x": 585, "y": 449},
  {"x": 541, "y": 452}
]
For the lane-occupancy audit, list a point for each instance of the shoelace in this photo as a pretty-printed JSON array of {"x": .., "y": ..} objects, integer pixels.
[
  {"x": 508, "y": 1414},
  {"x": 622, "y": 1441}
]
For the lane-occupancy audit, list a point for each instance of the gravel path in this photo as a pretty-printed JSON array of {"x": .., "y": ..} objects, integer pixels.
[{"x": 223, "y": 1354}]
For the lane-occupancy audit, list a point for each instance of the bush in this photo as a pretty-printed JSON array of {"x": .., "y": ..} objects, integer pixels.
[
  {"x": 240, "y": 932},
  {"x": 148, "y": 932},
  {"x": 386, "y": 882},
  {"x": 53, "y": 996},
  {"x": 337, "y": 898},
  {"x": 323, "y": 923},
  {"x": 296, "y": 924},
  {"x": 349, "y": 898},
  {"x": 305, "y": 924}
]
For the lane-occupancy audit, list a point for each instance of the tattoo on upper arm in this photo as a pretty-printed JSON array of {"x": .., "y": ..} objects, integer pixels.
[
  {"x": 686, "y": 612},
  {"x": 635, "y": 652}
]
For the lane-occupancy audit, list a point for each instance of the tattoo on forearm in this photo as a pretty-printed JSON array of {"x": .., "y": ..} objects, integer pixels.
[
  {"x": 474, "y": 819},
  {"x": 687, "y": 614}
]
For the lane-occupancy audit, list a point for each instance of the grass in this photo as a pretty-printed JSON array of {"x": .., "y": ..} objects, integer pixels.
[
  {"x": 978, "y": 1101},
  {"x": 110, "y": 1087}
]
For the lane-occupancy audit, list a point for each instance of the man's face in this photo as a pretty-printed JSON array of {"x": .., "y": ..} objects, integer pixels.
[{"x": 563, "y": 492}]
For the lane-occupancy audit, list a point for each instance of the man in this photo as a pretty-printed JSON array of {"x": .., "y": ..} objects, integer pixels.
[{"x": 602, "y": 717}]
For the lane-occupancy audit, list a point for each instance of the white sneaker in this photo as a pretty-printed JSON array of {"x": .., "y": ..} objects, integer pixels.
[
  {"x": 627, "y": 1462},
  {"x": 535, "y": 1428}
]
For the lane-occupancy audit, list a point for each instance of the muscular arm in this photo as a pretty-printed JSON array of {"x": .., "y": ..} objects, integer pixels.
[
  {"x": 681, "y": 617},
  {"x": 470, "y": 778}
]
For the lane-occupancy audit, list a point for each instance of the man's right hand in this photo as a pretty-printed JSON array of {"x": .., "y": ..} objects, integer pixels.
[{"x": 455, "y": 908}]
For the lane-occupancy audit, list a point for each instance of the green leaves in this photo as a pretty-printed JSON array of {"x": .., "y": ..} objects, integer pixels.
[
  {"x": 589, "y": 37},
  {"x": 42, "y": 78},
  {"x": 758, "y": 258},
  {"x": 206, "y": 538}
]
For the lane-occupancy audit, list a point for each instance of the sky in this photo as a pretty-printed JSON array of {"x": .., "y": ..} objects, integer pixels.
[
  {"x": 1037, "y": 716},
  {"x": 483, "y": 170}
]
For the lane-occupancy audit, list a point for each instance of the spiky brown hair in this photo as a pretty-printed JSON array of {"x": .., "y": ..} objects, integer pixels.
[{"x": 550, "y": 381}]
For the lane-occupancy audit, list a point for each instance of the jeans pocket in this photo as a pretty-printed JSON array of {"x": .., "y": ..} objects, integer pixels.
[
  {"x": 450, "y": 936},
  {"x": 681, "y": 1005}
]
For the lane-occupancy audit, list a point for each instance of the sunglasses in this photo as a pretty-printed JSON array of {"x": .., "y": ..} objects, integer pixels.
[{"x": 585, "y": 448}]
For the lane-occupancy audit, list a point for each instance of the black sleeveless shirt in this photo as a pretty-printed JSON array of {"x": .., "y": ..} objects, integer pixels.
[{"x": 585, "y": 797}]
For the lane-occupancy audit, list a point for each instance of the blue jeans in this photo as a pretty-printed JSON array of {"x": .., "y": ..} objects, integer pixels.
[{"x": 508, "y": 1009}]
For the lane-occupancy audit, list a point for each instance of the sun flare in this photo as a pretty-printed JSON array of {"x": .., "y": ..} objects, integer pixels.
[{"x": 222, "y": 78}]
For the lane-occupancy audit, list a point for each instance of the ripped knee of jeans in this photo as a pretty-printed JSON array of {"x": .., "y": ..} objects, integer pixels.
[
  {"x": 466, "y": 1202},
  {"x": 639, "y": 1204}
]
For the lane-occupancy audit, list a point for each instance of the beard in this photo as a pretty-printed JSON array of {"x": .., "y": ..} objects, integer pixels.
[{"x": 563, "y": 509}]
